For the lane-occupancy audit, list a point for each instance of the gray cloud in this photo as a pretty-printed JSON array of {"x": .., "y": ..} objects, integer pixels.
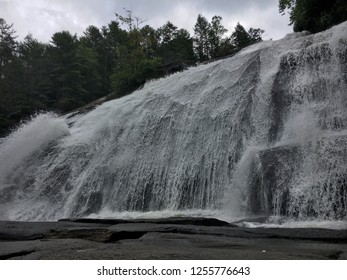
[{"x": 43, "y": 18}]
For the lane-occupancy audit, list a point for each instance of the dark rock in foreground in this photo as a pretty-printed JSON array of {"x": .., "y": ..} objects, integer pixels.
[
  {"x": 171, "y": 220},
  {"x": 172, "y": 238}
]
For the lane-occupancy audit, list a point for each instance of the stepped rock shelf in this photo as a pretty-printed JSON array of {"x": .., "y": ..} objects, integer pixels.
[{"x": 170, "y": 238}]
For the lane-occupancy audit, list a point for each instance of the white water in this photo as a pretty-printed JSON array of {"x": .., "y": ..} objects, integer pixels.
[
  {"x": 263, "y": 132},
  {"x": 29, "y": 138},
  {"x": 279, "y": 222}
]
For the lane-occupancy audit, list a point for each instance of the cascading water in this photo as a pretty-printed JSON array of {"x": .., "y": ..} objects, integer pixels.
[{"x": 263, "y": 132}]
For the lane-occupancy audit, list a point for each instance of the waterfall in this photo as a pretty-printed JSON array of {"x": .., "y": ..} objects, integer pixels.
[{"x": 263, "y": 132}]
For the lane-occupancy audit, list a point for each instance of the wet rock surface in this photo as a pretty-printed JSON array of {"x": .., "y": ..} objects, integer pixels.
[{"x": 172, "y": 238}]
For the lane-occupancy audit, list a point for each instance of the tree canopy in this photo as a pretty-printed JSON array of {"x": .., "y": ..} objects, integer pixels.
[
  {"x": 313, "y": 15},
  {"x": 71, "y": 71}
]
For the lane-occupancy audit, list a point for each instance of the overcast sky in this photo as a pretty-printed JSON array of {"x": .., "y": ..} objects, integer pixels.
[{"x": 43, "y": 18}]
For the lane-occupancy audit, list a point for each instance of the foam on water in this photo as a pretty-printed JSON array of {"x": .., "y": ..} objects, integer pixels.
[
  {"x": 31, "y": 136},
  {"x": 276, "y": 222}
]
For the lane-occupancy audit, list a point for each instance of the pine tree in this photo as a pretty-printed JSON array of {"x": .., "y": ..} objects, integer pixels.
[
  {"x": 8, "y": 45},
  {"x": 201, "y": 38},
  {"x": 11, "y": 78},
  {"x": 175, "y": 49},
  {"x": 96, "y": 40},
  {"x": 240, "y": 37},
  {"x": 32, "y": 54},
  {"x": 67, "y": 90},
  {"x": 216, "y": 33}
]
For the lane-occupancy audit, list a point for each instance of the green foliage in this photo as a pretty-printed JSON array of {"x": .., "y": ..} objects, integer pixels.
[
  {"x": 241, "y": 38},
  {"x": 65, "y": 72},
  {"x": 125, "y": 81},
  {"x": 210, "y": 41},
  {"x": 70, "y": 72},
  {"x": 216, "y": 33},
  {"x": 149, "y": 41},
  {"x": 7, "y": 43},
  {"x": 137, "y": 61},
  {"x": 175, "y": 47},
  {"x": 95, "y": 40},
  {"x": 32, "y": 55},
  {"x": 167, "y": 33},
  {"x": 255, "y": 35},
  {"x": 313, "y": 15},
  {"x": 87, "y": 59},
  {"x": 11, "y": 81},
  {"x": 201, "y": 38}
]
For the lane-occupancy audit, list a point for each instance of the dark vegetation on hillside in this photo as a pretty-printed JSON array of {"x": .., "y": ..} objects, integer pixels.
[
  {"x": 314, "y": 15},
  {"x": 70, "y": 71}
]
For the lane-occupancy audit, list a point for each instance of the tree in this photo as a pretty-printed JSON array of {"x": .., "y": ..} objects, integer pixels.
[
  {"x": 201, "y": 38},
  {"x": 313, "y": 15},
  {"x": 101, "y": 45},
  {"x": 241, "y": 38},
  {"x": 209, "y": 41},
  {"x": 226, "y": 47},
  {"x": 167, "y": 33},
  {"x": 11, "y": 78},
  {"x": 255, "y": 35},
  {"x": 176, "y": 47},
  {"x": 67, "y": 91},
  {"x": 183, "y": 43},
  {"x": 8, "y": 45},
  {"x": 137, "y": 61},
  {"x": 32, "y": 54},
  {"x": 216, "y": 33},
  {"x": 113, "y": 52},
  {"x": 87, "y": 60},
  {"x": 129, "y": 19},
  {"x": 92, "y": 38},
  {"x": 149, "y": 41}
]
